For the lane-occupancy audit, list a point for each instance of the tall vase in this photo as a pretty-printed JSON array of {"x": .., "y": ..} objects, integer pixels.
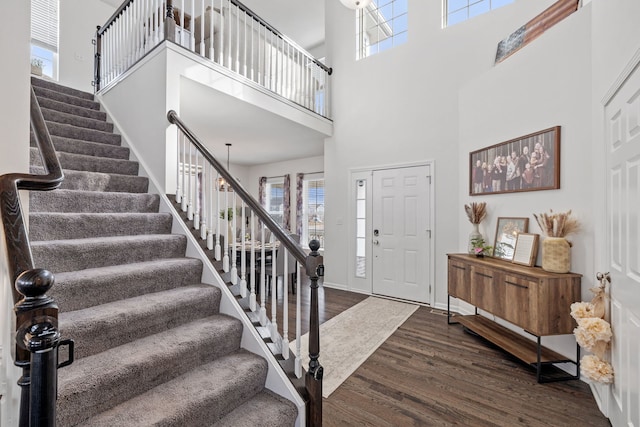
[
  {"x": 556, "y": 255},
  {"x": 475, "y": 234}
]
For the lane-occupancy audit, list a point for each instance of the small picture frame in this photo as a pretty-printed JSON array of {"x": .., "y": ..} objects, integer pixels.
[
  {"x": 526, "y": 249},
  {"x": 507, "y": 231}
]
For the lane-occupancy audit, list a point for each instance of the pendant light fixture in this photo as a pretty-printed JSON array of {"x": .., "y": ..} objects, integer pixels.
[
  {"x": 355, "y": 4},
  {"x": 222, "y": 183}
]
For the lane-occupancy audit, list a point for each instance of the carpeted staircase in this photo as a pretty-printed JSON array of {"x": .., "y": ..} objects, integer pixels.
[{"x": 151, "y": 346}]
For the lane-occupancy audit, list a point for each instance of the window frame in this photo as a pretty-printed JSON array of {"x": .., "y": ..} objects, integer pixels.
[
  {"x": 470, "y": 3},
  {"x": 273, "y": 181},
  {"x": 306, "y": 202},
  {"x": 371, "y": 17}
]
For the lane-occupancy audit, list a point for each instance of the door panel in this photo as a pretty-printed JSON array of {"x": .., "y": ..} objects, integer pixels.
[
  {"x": 622, "y": 116},
  {"x": 401, "y": 217}
]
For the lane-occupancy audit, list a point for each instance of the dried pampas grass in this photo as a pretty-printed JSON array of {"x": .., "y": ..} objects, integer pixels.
[
  {"x": 476, "y": 212},
  {"x": 557, "y": 224}
]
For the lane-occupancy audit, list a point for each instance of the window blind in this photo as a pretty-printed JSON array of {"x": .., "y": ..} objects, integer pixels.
[{"x": 44, "y": 24}]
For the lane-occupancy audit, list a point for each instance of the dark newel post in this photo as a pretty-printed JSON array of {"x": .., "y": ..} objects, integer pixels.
[
  {"x": 313, "y": 380},
  {"x": 96, "y": 60},
  {"x": 169, "y": 23},
  {"x": 36, "y": 324}
]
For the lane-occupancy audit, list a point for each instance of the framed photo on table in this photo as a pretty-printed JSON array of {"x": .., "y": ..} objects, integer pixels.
[
  {"x": 507, "y": 231},
  {"x": 526, "y": 249}
]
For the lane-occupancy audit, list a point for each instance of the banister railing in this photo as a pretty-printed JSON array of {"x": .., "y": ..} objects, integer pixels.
[
  {"x": 224, "y": 31},
  {"x": 204, "y": 187},
  {"x": 37, "y": 337}
]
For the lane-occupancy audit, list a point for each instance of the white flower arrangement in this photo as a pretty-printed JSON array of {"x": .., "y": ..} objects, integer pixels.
[{"x": 594, "y": 334}]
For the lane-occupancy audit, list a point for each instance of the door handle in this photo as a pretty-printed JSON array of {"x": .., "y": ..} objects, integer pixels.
[{"x": 375, "y": 242}]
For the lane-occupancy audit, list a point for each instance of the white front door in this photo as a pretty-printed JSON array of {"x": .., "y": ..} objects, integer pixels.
[
  {"x": 400, "y": 237},
  {"x": 623, "y": 250}
]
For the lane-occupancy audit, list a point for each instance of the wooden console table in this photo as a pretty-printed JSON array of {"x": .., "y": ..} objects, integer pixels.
[{"x": 529, "y": 297}]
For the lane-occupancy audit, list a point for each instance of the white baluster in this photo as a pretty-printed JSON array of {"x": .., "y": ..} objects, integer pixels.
[
  {"x": 253, "y": 50},
  {"x": 178, "y": 189},
  {"x": 192, "y": 38},
  {"x": 274, "y": 298},
  {"x": 285, "y": 305},
  {"x": 263, "y": 284},
  {"x": 155, "y": 25},
  {"x": 190, "y": 178},
  {"x": 227, "y": 241},
  {"x": 232, "y": 241},
  {"x": 252, "y": 294},
  {"x": 298, "y": 366},
  {"x": 185, "y": 197},
  {"x": 196, "y": 190},
  {"x": 212, "y": 211},
  {"x": 212, "y": 23},
  {"x": 243, "y": 254},
  {"x": 203, "y": 194},
  {"x": 229, "y": 34},
  {"x": 237, "y": 39},
  {"x": 218, "y": 249},
  {"x": 202, "y": 19},
  {"x": 223, "y": 24},
  {"x": 246, "y": 36}
]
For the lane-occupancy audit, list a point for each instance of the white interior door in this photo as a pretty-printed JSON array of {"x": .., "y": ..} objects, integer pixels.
[
  {"x": 623, "y": 253},
  {"x": 400, "y": 237}
]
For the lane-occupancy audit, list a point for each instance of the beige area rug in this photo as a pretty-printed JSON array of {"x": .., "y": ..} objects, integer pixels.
[{"x": 348, "y": 339}]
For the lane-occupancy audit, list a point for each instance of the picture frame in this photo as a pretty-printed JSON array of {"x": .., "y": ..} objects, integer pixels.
[
  {"x": 507, "y": 231},
  {"x": 527, "y": 163},
  {"x": 526, "y": 249}
]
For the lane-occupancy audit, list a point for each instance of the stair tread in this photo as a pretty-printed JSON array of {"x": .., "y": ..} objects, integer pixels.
[
  {"x": 108, "y": 325},
  {"x": 77, "y": 110},
  {"x": 77, "y": 132},
  {"x": 75, "y": 290},
  {"x": 89, "y": 148},
  {"x": 44, "y": 92},
  {"x": 64, "y": 200},
  {"x": 89, "y": 163},
  {"x": 197, "y": 398},
  {"x": 66, "y": 226},
  {"x": 63, "y": 117},
  {"x": 266, "y": 409},
  {"x": 79, "y": 254},
  {"x": 61, "y": 88}
]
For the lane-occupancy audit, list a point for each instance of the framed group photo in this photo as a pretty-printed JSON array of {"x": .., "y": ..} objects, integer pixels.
[{"x": 528, "y": 163}]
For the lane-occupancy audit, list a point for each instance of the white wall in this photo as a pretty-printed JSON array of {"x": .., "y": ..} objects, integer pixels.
[
  {"x": 401, "y": 106},
  {"x": 14, "y": 157},
  {"x": 544, "y": 85},
  {"x": 78, "y": 22}
]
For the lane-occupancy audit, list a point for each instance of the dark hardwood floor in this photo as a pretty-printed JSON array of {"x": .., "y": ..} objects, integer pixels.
[{"x": 429, "y": 373}]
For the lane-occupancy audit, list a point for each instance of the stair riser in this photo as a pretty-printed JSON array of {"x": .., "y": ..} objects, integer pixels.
[
  {"x": 156, "y": 361},
  {"x": 81, "y": 201},
  {"x": 81, "y": 162},
  {"x": 70, "y": 119},
  {"x": 90, "y": 113},
  {"x": 76, "y": 146},
  {"x": 100, "y": 287},
  {"x": 72, "y": 255},
  {"x": 81, "y": 226},
  {"x": 74, "y": 132},
  {"x": 112, "y": 325},
  {"x": 67, "y": 99},
  {"x": 62, "y": 89}
]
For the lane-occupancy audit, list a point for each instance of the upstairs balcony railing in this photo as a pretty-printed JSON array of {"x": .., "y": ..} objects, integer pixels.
[{"x": 223, "y": 31}]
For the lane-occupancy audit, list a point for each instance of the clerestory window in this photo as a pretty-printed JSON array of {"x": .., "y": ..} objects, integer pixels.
[
  {"x": 456, "y": 11},
  {"x": 382, "y": 25}
]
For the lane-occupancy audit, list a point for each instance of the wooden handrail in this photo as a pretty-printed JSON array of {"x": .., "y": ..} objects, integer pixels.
[
  {"x": 16, "y": 237},
  {"x": 34, "y": 310},
  {"x": 285, "y": 239}
]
